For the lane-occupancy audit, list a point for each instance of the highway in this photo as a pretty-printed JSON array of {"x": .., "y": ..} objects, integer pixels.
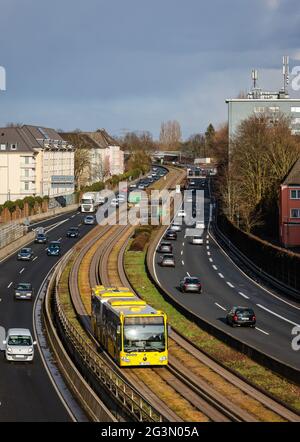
[
  {"x": 224, "y": 286},
  {"x": 26, "y": 392}
]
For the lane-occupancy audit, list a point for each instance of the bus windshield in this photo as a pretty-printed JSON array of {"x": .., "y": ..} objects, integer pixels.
[
  {"x": 87, "y": 201},
  {"x": 144, "y": 334}
]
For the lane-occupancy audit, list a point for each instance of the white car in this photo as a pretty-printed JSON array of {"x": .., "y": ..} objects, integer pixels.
[
  {"x": 181, "y": 213},
  {"x": 19, "y": 345},
  {"x": 176, "y": 227},
  {"x": 121, "y": 198},
  {"x": 197, "y": 239},
  {"x": 114, "y": 202}
]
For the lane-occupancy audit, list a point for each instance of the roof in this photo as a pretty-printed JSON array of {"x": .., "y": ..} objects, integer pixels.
[
  {"x": 28, "y": 138},
  {"x": 19, "y": 331},
  {"x": 293, "y": 176},
  {"x": 91, "y": 140}
]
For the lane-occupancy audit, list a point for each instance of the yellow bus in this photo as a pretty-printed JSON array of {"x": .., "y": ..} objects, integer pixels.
[{"x": 132, "y": 332}]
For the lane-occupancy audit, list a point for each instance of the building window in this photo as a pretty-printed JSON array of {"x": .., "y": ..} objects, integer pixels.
[
  {"x": 13, "y": 147},
  {"x": 295, "y": 213},
  {"x": 295, "y": 109},
  {"x": 295, "y": 194},
  {"x": 26, "y": 186},
  {"x": 274, "y": 109},
  {"x": 259, "y": 109},
  {"x": 2, "y": 146},
  {"x": 296, "y": 120}
]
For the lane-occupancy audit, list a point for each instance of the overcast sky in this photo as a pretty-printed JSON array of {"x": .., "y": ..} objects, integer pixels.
[{"x": 131, "y": 64}]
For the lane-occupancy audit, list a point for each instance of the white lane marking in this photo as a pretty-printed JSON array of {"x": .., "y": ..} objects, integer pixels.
[
  {"x": 244, "y": 296},
  {"x": 215, "y": 267},
  {"x": 182, "y": 263},
  {"x": 208, "y": 253},
  {"x": 221, "y": 276},
  {"x": 252, "y": 280},
  {"x": 207, "y": 236},
  {"x": 262, "y": 331},
  {"x": 59, "y": 239},
  {"x": 207, "y": 247},
  {"x": 276, "y": 314},
  {"x": 207, "y": 242},
  {"x": 73, "y": 216},
  {"x": 35, "y": 258},
  {"x": 21, "y": 271},
  {"x": 46, "y": 248},
  {"x": 181, "y": 252},
  {"x": 211, "y": 260},
  {"x": 9, "y": 285},
  {"x": 220, "y": 306},
  {"x": 183, "y": 244},
  {"x": 230, "y": 285},
  {"x": 188, "y": 274}
]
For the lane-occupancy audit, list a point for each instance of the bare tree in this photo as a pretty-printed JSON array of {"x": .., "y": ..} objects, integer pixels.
[
  {"x": 170, "y": 135},
  {"x": 262, "y": 153},
  {"x": 82, "y": 160}
]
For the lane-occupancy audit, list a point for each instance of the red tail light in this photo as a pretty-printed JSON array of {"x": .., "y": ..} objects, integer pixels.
[
  {"x": 235, "y": 318},
  {"x": 253, "y": 318}
]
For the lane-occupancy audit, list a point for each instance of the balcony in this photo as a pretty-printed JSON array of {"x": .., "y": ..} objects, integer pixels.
[
  {"x": 28, "y": 178},
  {"x": 29, "y": 192},
  {"x": 27, "y": 166}
]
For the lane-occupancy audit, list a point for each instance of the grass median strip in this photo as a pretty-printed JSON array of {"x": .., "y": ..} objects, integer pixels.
[{"x": 264, "y": 378}]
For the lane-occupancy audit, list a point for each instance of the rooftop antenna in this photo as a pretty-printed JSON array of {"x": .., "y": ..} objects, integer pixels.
[
  {"x": 254, "y": 76},
  {"x": 285, "y": 71}
]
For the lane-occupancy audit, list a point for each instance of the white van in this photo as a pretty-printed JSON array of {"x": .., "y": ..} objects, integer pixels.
[{"x": 19, "y": 345}]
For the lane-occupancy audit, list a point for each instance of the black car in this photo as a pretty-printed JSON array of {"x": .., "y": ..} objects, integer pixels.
[
  {"x": 170, "y": 234},
  {"x": 241, "y": 316},
  {"x": 54, "y": 248},
  {"x": 24, "y": 290},
  {"x": 73, "y": 232},
  {"x": 40, "y": 238},
  {"x": 25, "y": 254}
]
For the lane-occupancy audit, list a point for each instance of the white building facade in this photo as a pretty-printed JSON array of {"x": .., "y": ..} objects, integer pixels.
[{"x": 34, "y": 161}]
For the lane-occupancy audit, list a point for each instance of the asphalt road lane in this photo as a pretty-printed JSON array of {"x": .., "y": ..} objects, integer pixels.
[
  {"x": 26, "y": 392},
  {"x": 224, "y": 286}
]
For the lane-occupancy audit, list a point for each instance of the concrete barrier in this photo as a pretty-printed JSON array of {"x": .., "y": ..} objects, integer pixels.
[
  {"x": 91, "y": 403},
  {"x": 29, "y": 237},
  {"x": 16, "y": 245}
]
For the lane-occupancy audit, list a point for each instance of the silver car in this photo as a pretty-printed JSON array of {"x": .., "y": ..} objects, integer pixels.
[
  {"x": 24, "y": 290},
  {"x": 89, "y": 219},
  {"x": 167, "y": 261},
  {"x": 19, "y": 345},
  {"x": 190, "y": 284},
  {"x": 165, "y": 247}
]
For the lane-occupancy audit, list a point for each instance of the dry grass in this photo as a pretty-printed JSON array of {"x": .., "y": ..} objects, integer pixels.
[
  {"x": 266, "y": 379},
  {"x": 167, "y": 394}
]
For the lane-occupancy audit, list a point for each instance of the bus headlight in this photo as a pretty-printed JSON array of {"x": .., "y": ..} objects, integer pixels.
[
  {"x": 124, "y": 359},
  {"x": 163, "y": 358}
]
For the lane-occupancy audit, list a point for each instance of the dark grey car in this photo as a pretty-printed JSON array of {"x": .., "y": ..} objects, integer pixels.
[
  {"x": 241, "y": 316},
  {"x": 24, "y": 290}
]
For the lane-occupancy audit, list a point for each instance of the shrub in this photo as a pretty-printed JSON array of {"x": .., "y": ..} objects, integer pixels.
[{"x": 139, "y": 243}]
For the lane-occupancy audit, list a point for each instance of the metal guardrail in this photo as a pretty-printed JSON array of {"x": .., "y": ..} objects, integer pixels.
[
  {"x": 123, "y": 393},
  {"x": 272, "y": 363},
  {"x": 290, "y": 291}
]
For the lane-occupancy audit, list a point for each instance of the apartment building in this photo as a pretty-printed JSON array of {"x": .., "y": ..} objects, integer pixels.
[
  {"x": 289, "y": 208},
  {"x": 105, "y": 158},
  {"x": 34, "y": 161}
]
